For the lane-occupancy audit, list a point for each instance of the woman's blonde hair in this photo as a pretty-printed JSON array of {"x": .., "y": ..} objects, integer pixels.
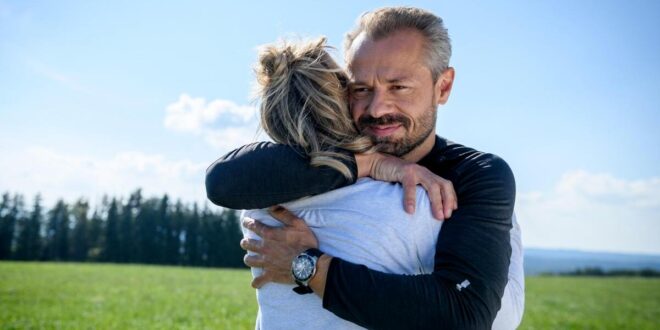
[{"x": 303, "y": 103}]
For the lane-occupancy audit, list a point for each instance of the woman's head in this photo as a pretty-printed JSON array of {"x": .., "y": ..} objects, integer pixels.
[{"x": 302, "y": 95}]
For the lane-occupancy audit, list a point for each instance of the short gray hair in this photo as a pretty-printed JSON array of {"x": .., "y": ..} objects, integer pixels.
[{"x": 384, "y": 22}]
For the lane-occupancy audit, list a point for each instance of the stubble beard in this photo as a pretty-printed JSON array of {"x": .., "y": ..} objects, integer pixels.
[{"x": 424, "y": 125}]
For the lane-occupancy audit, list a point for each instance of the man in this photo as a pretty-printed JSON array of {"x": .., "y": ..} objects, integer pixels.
[{"x": 398, "y": 67}]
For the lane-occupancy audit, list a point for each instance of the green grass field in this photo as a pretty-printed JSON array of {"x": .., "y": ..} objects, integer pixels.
[{"x": 86, "y": 296}]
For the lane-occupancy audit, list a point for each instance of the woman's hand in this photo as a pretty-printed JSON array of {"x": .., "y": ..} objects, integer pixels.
[{"x": 391, "y": 169}]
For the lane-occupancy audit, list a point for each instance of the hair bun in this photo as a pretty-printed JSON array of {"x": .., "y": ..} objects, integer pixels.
[{"x": 274, "y": 64}]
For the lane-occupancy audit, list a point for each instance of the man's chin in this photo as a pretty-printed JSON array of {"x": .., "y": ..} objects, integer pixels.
[
  {"x": 398, "y": 147},
  {"x": 390, "y": 147}
]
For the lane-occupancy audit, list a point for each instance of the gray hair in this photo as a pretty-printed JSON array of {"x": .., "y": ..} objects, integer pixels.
[
  {"x": 303, "y": 103},
  {"x": 386, "y": 21}
]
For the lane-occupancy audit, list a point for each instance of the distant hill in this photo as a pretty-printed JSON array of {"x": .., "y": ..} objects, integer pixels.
[{"x": 557, "y": 261}]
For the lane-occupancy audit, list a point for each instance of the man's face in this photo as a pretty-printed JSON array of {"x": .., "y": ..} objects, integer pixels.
[{"x": 393, "y": 98}]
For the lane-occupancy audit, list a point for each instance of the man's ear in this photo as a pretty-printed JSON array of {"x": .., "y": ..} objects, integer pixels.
[{"x": 443, "y": 86}]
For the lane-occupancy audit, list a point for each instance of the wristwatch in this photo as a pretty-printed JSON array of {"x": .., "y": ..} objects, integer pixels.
[{"x": 303, "y": 268}]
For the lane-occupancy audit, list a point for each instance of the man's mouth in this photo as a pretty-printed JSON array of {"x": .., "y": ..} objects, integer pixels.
[{"x": 383, "y": 130}]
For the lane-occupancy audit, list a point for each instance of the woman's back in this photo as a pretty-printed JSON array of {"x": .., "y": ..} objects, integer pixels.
[{"x": 363, "y": 223}]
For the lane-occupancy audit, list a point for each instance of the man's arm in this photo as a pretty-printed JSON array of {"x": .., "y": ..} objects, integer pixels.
[
  {"x": 470, "y": 273},
  {"x": 471, "y": 263}
]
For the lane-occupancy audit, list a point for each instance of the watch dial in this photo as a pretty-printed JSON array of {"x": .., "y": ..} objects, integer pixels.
[{"x": 303, "y": 268}]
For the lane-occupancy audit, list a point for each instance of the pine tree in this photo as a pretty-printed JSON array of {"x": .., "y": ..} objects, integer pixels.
[
  {"x": 57, "y": 233},
  {"x": 146, "y": 231},
  {"x": 62, "y": 238},
  {"x": 231, "y": 250},
  {"x": 126, "y": 234},
  {"x": 49, "y": 250},
  {"x": 95, "y": 237},
  {"x": 111, "y": 245},
  {"x": 215, "y": 241},
  {"x": 28, "y": 246},
  {"x": 79, "y": 240},
  {"x": 8, "y": 216},
  {"x": 163, "y": 230},
  {"x": 192, "y": 238},
  {"x": 174, "y": 246}
]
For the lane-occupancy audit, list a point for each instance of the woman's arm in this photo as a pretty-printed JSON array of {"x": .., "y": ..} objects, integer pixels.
[{"x": 263, "y": 174}]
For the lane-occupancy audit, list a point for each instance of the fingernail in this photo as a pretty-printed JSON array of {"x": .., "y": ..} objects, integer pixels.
[{"x": 410, "y": 208}]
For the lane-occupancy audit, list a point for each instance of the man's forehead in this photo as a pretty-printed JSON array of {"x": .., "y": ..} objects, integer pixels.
[
  {"x": 405, "y": 40},
  {"x": 394, "y": 57},
  {"x": 386, "y": 70}
]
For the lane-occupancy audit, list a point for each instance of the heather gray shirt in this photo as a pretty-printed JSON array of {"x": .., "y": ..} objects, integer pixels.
[{"x": 365, "y": 223}]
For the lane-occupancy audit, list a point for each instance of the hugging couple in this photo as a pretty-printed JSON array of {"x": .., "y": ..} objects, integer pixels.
[{"x": 359, "y": 215}]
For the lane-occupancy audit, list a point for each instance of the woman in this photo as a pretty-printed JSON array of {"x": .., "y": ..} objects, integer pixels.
[{"x": 303, "y": 107}]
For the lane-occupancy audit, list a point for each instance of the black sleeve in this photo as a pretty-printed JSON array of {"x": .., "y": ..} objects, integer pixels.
[
  {"x": 263, "y": 174},
  {"x": 470, "y": 273}
]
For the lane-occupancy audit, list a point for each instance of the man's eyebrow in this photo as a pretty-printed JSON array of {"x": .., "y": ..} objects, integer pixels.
[{"x": 395, "y": 80}]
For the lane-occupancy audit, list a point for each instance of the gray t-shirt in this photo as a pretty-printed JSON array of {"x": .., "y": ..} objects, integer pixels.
[{"x": 365, "y": 223}]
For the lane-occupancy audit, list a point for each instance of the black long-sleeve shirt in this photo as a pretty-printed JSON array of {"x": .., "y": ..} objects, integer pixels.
[{"x": 473, "y": 246}]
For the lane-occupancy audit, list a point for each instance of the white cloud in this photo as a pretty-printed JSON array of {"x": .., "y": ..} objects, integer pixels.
[
  {"x": 59, "y": 175},
  {"x": 584, "y": 211},
  {"x": 593, "y": 211},
  {"x": 222, "y": 124}
]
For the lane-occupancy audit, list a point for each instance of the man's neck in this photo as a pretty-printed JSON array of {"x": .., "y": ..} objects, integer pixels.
[{"x": 422, "y": 150}]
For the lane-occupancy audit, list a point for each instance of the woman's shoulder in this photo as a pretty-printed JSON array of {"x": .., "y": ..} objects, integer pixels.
[{"x": 365, "y": 194}]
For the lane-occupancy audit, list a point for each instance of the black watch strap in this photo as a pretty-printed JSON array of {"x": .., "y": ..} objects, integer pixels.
[
  {"x": 301, "y": 289},
  {"x": 314, "y": 252},
  {"x": 304, "y": 289}
]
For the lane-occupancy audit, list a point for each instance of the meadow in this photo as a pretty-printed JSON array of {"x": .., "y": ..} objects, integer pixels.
[{"x": 109, "y": 296}]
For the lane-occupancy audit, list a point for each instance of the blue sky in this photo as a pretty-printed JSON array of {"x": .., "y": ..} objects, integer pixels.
[{"x": 105, "y": 97}]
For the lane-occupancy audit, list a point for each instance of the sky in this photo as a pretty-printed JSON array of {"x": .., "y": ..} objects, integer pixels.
[{"x": 105, "y": 97}]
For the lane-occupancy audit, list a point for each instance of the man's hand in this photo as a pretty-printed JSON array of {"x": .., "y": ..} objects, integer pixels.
[
  {"x": 392, "y": 169},
  {"x": 278, "y": 247}
]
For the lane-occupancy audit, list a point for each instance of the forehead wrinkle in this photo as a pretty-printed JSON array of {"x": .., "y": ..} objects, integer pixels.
[
  {"x": 399, "y": 79},
  {"x": 396, "y": 78}
]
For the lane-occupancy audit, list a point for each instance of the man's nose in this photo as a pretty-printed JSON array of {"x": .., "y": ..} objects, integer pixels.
[{"x": 379, "y": 104}]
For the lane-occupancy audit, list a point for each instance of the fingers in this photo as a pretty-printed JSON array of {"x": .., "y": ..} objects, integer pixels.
[
  {"x": 259, "y": 281},
  {"x": 283, "y": 215},
  {"x": 252, "y": 245},
  {"x": 449, "y": 197},
  {"x": 258, "y": 227},
  {"x": 437, "y": 200},
  {"x": 253, "y": 260},
  {"x": 409, "y": 196},
  {"x": 441, "y": 194},
  {"x": 447, "y": 206}
]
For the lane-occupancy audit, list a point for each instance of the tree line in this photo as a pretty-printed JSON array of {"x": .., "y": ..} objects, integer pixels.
[
  {"x": 120, "y": 230},
  {"x": 597, "y": 271}
]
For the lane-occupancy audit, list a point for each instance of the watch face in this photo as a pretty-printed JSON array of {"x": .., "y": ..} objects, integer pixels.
[{"x": 303, "y": 267}]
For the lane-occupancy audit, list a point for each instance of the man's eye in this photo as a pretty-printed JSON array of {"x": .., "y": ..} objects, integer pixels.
[
  {"x": 360, "y": 91},
  {"x": 399, "y": 87}
]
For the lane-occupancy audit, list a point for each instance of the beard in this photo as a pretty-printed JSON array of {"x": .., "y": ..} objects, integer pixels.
[{"x": 424, "y": 125}]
